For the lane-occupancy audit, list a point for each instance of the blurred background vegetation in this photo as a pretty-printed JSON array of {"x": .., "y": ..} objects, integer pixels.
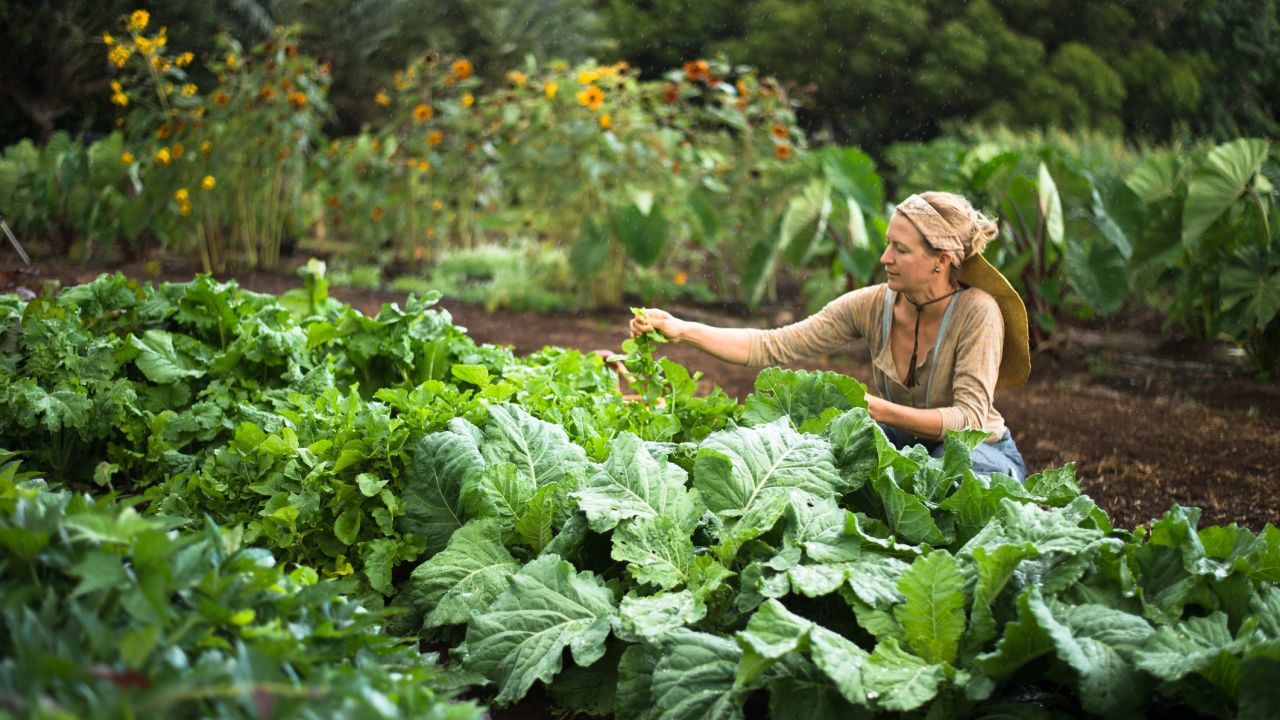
[{"x": 880, "y": 70}]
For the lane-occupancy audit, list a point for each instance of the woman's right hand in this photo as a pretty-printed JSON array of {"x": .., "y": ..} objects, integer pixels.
[{"x": 661, "y": 321}]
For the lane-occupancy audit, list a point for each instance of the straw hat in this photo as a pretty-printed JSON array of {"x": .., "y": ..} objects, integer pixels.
[{"x": 977, "y": 271}]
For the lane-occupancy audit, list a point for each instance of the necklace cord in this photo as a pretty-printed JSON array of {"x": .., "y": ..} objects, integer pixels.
[{"x": 915, "y": 339}]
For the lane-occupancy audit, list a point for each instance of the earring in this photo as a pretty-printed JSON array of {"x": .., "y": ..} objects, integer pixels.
[{"x": 937, "y": 268}]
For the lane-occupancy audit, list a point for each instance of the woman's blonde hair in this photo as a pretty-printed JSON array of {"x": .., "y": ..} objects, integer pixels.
[{"x": 974, "y": 228}]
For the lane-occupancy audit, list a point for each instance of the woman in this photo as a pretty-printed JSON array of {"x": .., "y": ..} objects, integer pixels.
[{"x": 945, "y": 331}]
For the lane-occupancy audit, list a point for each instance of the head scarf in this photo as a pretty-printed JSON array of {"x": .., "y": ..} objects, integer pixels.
[{"x": 939, "y": 233}]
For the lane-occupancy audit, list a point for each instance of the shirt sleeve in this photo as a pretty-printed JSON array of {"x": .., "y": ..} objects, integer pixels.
[
  {"x": 842, "y": 321},
  {"x": 978, "y": 351}
]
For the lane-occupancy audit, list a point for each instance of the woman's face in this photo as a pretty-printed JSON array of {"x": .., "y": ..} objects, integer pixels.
[{"x": 906, "y": 260}]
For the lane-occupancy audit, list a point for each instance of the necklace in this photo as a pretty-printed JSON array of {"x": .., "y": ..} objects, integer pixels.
[{"x": 915, "y": 339}]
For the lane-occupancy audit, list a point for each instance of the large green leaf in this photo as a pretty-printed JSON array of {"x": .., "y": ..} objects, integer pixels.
[
  {"x": 643, "y": 234},
  {"x": 1097, "y": 270},
  {"x": 1050, "y": 205},
  {"x": 1157, "y": 177},
  {"x": 159, "y": 361},
  {"x": 657, "y": 551},
  {"x": 522, "y": 636},
  {"x": 932, "y": 615},
  {"x": 1218, "y": 182},
  {"x": 432, "y": 487},
  {"x": 694, "y": 678},
  {"x": 1250, "y": 279},
  {"x": 465, "y": 577},
  {"x": 805, "y": 221},
  {"x": 541, "y": 451},
  {"x": 763, "y": 462},
  {"x": 809, "y": 399},
  {"x": 651, "y": 617},
  {"x": 852, "y": 173},
  {"x": 897, "y": 680},
  {"x": 633, "y": 484},
  {"x": 1193, "y": 645}
]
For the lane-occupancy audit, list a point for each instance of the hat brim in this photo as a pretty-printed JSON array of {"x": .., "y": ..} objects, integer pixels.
[{"x": 1015, "y": 358}]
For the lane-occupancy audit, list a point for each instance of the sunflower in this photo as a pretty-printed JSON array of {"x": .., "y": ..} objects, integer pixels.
[
  {"x": 779, "y": 131},
  {"x": 435, "y": 137},
  {"x": 382, "y": 98},
  {"x": 163, "y": 157},
  {"x": 298, "y": 99},
  {"x": 782, "y": 151},
  {"x": 592, "y": 97},
  {"x": 220, "y": 98},
  {"x": 181, "y": 195},
  {"x": 606, "y": 121},
  {"x": 126, "y": 157},
  {"x": 551, "y": 90},
  {"x": 468, "y": 100},
  {"x": 462, "y": 69},
  {"x": 423, "y": 112},
  {"x": 119, "y": 54},
  {"x": 208, "y": 182},
  {"x": 697, "y": 71},
  {"x": 267, "y": 93}
]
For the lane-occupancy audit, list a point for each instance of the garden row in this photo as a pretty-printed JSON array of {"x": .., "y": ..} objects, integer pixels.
[
  {"x": 577, "y": 184},
  {"x": 381, "y": 481}
]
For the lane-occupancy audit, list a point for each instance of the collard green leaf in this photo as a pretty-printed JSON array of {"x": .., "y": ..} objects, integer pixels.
[
  {"x": 432, "y": 487},
  {"x": 656, "y": 550},
  {"x": 841, "y": 660},
  {"x": 799, "y": 690},
  {"x": 693, "y": 679},
  {"x": 1259, "y": 691},
  {"x": 499, "y": 491},
  {"x": 649, "y": 618},
  {"x": 932, "y": 615},
  {"x": 874, "y": 578},
  {"x": 854, "y": 444},
  {"x": 634, "y": 697},
  {"x": 540, "y": 451},
  {"x": 546, "y": 608},
  {"x": 465, "y": 577},
  {"x": 907, "y": 514},
  {"x": 896, "y": 680},
  {"x": 633, "y": 484},
  {"x": 537, "y": 523},
  {"x": 763, "y": 462},
  {"x": 1174, "y": 651},
  {"x": 806, "y": 398}
]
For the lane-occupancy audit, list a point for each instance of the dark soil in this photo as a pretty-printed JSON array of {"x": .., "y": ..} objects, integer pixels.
[{"x": 1149, "y": 419}]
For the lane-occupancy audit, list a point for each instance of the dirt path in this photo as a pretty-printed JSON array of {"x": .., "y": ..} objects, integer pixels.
[{"x": 1147, "y": 422}]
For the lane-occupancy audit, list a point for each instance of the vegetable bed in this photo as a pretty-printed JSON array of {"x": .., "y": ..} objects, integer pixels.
[{"x": 291, "y": 497}]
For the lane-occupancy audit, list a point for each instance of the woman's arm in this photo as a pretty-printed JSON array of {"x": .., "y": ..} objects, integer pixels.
[
  {"x": 728, "y": 344},
  {"x": 921, "y": 422}
]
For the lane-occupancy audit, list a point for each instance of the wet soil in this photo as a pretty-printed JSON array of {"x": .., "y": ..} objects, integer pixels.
[{"x": 1148, "y": 418}]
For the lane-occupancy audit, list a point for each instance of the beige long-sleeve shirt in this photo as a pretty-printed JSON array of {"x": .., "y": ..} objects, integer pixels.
[{"x": 957, "y": 376}]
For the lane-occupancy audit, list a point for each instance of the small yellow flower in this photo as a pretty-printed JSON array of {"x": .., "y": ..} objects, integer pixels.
[
  {"x": 298, "y": 99},
  {"x": 435, "y": 137},
  {"x": 184, "y": 209},
  {"x": 468, "y": 100},
  {"x": 206, "y": 148},
  {"x": 437, "y": 204},
  {"x": 126, "y": 157},
  {"x": 185, "y": 59},
  {"x": 138, "y": 20},
  {"x": 462, "y": 69},
  {"x": 782, "y": 151},
  {"x": 232, "y": 60},
  {"x": 424, "y": 165},
  {"x": 116, "y": 87},
  {"x": 682, "y": 278},
  {"x": 382, "y": 98},
  {"x": 178, "y": 150},
  {"x": 423, "y": 112},
  {"x": 119, "y": 55},
  {"x": 592, "y": 97},
  {"x": 551, "y": 90},
  {"x": 208, "y": 182},
  {"x": 377, "y": 213},
  {"x": 518, "y": 78},
  {"x": 586, "y": 77},
  {"x": 188, "y": 90},
  {"x": 220, "y": 98},
  {"x": 145, "y": 45},
  {"x": 606, "y": 121},
  {"x": 163, "y": 157},
  {"x": 182, "y": 195},
  {"x": 267, "y": 93},
  {"x": 120, "y": 99},
  {"x": 107, "y": 39}
]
